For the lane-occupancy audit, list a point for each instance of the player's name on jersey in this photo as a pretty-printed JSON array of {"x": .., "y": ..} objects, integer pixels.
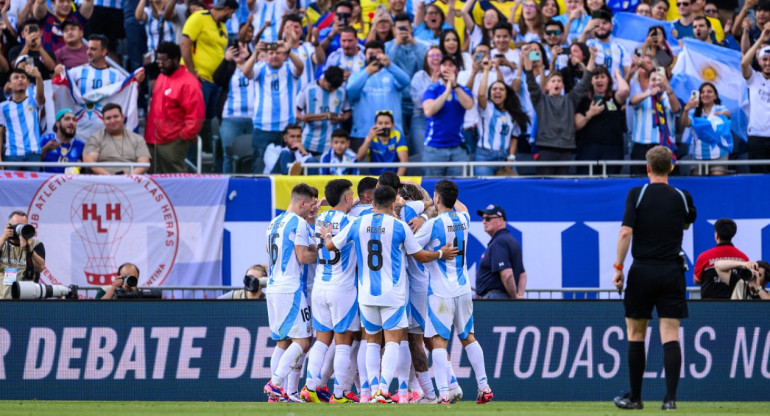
[
  {"x": 455, "y": 227},
  {"x": 334, "y": 225},
  {"x": 276, "y": 225},
  {"x": 375, "y": 230}
]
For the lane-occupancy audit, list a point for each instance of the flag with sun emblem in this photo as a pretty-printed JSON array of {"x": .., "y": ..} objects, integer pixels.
[{"x": 701, "y": 62}]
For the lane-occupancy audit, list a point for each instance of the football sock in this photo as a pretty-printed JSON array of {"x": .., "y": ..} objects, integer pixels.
[
  {"x": 328, "y": 367},
  {"x": 451, "y": 379},
  {"x": 373, "y": 365},
  {"x": 441, "y": 370},
  {"x": 476, "y": 357},
  {"x": 314, "y": 362},
  {"x": 288, "y": 360},
  {"x": 403, "y": 366},
  {"x": 292, "y": 381},
  {"x": 275, "y": 359},
  {"x": 390, "y": 360},
  {"x": 362, "y": 373},
  {"x": 672, "y": 363},
  {"x": 341, "y": 369},
  {"x": 426, "y": 384},
  {"x": 352, "y": 378},
  {"x": 636, "y": 364},
  {"x": 414, "y": 385}
]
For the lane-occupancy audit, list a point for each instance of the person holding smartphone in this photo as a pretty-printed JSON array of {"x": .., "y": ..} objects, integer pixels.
[
  {"x": 384, "y": 144},
  {"x": 609, "y": 52}
]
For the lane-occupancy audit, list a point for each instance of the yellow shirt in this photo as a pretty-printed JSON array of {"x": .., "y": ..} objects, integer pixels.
[
  {"x": 459, "y": 22},
  {"x": 505, "y": 8},
  {"x": 209, "y": 40},
  {"x": 716, "y": 25}
]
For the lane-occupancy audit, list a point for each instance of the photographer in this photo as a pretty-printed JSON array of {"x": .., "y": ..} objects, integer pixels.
[
  {"x": 126, "y": 281},
  {"x": 747, "y": 279},
  {"x": 255, "y": 279},
  {"x": 18, "y": 247}
]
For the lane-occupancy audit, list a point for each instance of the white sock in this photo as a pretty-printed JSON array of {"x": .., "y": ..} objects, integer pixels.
[
  {"x": 288, "y": 360},
  {"x": 426, "y": 384},
  {"x": 413, "y": 384},
  {"x": 292, "y": 381},
  {"x": 314, "y": 363},
  {"x": 451, "y": 379},
  {"x": 476, "y": 357},
  {"x": 328, "y": 367},
  {"x": 341, "y": 369},
  {"x": 362, "y": 374},
  {"x": 441, "y": 370},
  {"x": 352, "y": 373},
  {"x": 275, "y": 359},
  {"x": 403, "y": 366},
  {"x": 373, "y": 365},
  {"x": 389, "y": 363}
]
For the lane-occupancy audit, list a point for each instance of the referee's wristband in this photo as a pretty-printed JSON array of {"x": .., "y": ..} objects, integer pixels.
[{"x": 617, "y": 266}]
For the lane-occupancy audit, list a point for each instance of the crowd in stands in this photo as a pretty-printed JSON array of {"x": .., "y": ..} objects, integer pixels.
[{"x": 376, "y": 80}]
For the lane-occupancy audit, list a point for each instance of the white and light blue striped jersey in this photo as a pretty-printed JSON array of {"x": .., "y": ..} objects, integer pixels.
[
  {"x": 497, "y": 128},
  {"x": 330, "y": 157},
  {"x": 359, "y": 210},
  {"x": 336, "y": 269},
  {"x": 152, "y": 29},
  {"x": 275, "y": 96},
  {"x": 241, "y": 15},
  {"x": 418, "y": 276},
  {"x": 285, "y": 272},
  {"x": 110, "y": 4},
  {"x": 645, "y": 129},
  {"x": 382, "y": 243},
  {"x": 346, "y": 63},
  {"x": 269, "y": 11},
  {"x": 240, "y": 97},
  {"x": 305, "y": 52},
  {"x": 611, "y": 55},
  {"x": 22, "y": 126},
  {"x": 448, "y": 278},
  {"x": 307, "y": 279},
  {"x": 699, "y": 149},
  {"x": 87, "y": 78},
  {"x": 317, "y": 135}
]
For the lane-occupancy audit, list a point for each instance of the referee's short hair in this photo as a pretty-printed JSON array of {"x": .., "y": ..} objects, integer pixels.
[
  {"x": 659, "y": 160},
  {"x": 725, "y": 229}
]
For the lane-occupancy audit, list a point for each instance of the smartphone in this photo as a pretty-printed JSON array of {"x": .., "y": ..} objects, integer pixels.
[
  {"x": 499, "y": 55},
  {"x": 384, "y": 132},
  {"x": 344, "y": 18},
  {"x": 232, "y": 42},
  {"x": 32, "y": 28},
  {"x": 596, "y": 14},
  {"x": 660, "y": 70},
  {"x": 695, "y": 95},
  {"x": 638, "y": 52},
  {"x": 403, "y": 28},
  {"x": 478, "y": 57},
  {"x": 598, "y": 98},
  {"x": 271, "y": 46},
  {"x": 534, "y": 56},
  {"x": 30, "y": 61}
]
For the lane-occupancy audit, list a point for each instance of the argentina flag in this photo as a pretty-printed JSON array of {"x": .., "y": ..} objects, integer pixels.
[
  {"x": 630, "y": 30},
  {"x": 701, "y": 62},
  {"x": 714, "y": 130}
]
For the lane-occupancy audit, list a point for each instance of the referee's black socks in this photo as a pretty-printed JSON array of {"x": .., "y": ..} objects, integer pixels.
[
  {"x": 636, "y": 364},
  {"x": 672, "y": 363}
]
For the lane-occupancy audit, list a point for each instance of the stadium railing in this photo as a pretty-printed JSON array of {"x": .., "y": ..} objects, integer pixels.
[{"x": 130, "y": 165}]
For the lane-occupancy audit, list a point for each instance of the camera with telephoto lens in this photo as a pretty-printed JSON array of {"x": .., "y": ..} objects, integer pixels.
[
  {"x": 121, "y": 293},
  {"x": 253, "y": 283},
  {"x": 32, "y": 290},
  {"x": 24, "y": 230},
  {"x": 130, "y": 281},
  {"x": 745, "y": 274}
]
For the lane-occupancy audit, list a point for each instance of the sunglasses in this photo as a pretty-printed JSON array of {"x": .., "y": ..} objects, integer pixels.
[
  {"x": 383, "y": 112},
  {"x": 710, "y": 11},
  {"x": 553, "y": 32},
  {"x": 488, "y": 218},
  {"x": 683, "y": 4}
]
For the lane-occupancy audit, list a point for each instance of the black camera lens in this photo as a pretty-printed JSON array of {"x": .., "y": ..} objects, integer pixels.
[{"x": 130, "y": 281}]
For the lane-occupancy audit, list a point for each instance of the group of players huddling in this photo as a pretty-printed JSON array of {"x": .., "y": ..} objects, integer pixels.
[{"x": 390, "y": 262}]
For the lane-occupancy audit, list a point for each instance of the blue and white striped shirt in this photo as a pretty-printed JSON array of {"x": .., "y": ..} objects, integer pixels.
[
  {"x": 330, "y": 157},
  {"x": 87, "y": 78},
  {"x": 269, "y": 11},
  {"x": 335, "y": 269},
  {"x": 152, "y": 29},
  {"x": 305, "y": 52},
  {"x": 611, "y": 54},
  {"x": 317, "y": 135},
  {"x": 644, "y": 131},
  {"x": 22, "y": 126},
  {"x": 418, "y": 275},
  {"x": 497, "y": 129},
  {"x": 346, "y": 63},
  {"x": 276, "y": 91},
  {"x": 448, "y": 278},
  {"x": 240, "y": 97},
  {"x": 701, "y": 150},
  {"x": 359, "y": 210},
  {"x": 284, "y": 232},
  {"x": 110, "y": 4}
]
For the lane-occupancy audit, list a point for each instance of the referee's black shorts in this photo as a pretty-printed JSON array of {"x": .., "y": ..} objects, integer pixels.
[{"x": 655, "y": 284}]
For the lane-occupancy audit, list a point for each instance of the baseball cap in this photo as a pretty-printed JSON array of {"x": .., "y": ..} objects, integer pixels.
[
  {"x": 765, "y": 51},
  {"x": 449, "y": 58},
  {"x": 492, "y": 209},
  {"x": 62, "y": 112},
  {"x": 226, "y": 4}
]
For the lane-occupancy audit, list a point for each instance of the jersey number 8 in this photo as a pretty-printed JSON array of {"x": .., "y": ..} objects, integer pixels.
[{"x": 374, "y": 259}]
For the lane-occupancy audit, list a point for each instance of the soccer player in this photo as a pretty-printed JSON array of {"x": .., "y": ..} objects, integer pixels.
[
  {"x": 289, "y": 245},
  {"x": 335, "y": 309},
  {"x": 365, "y": 191},
  {"x": 382, "y": 243},
  {"x": 449, "y": 301}
]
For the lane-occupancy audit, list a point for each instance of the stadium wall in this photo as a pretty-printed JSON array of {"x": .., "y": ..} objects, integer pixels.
[{"x": 191, "y": 350}]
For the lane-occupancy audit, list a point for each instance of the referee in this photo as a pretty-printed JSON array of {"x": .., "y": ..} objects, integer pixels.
[{"x": 656, "y": 215}]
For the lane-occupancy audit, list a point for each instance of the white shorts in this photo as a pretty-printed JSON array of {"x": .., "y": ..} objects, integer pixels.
[
  {"x": 376, "y": 318},
  {"x": 418, "y": 311},
  {"x": 288, "y": 315},
  {"x": 445, "y": 312},
  {"x": 335, "y": 310}
]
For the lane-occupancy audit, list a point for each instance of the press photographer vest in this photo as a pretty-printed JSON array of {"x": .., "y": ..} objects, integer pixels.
[{"x": 11, "y": 257}]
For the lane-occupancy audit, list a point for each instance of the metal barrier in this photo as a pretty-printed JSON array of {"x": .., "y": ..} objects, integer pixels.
[
  {"x": 169, "y": 292},
  {"x": 130, "y": 165}
]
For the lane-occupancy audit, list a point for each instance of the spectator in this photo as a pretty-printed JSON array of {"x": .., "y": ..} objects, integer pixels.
[
  {"x": 378, "y": 87},
  {"x": 430, "y": 74},
  {"x": 276, "y": 84},
  {"x": 653, "y": 120},
  {"x": 382, "y": 27},
  {"x": 470, "y": 79},
  {"x": 502, "y": 123},
  {"x": 269, "y": 11},
  {"x": 609, "y": 52},
  {"x": 573, "y": 72},
  {"x": 555, "y": 49},
  {"x": 555, "y": 138},
  {"x": 502, "y": 53},
  {"x": 656, "y": 46},
  {"x": 96, "y": 74},
  {"x": 550, "y": 9},
  {"x": 702, "y": 30},
  {"x": 115, "y": 144},
  {"x": 62, "y": 11},
  {"x": 718, "y": 34},
  {"x": 759, "y": 97},
  {"x": 643, "y": 9},
  {"x": 480, "y": 34},
  {"x": 292, "y": 154},
  {"x": 683, "y": 27},
  {"x": 324, "y": 105},
  {"x": 19, "y": 122},
  {"x": 158, "y": 25},
  {"x": 600, "y": 122},
  {"x": 574, "y": 19},
  {"x": 32, "y": 50},
  {"x": 176, "y": 112},
  {"x": 203, "y": 49},
  {"x": 444, "y": 104},
  {"x": 530, "y": 25},
  {"x": 659, "y": 9},
  {"x": 384, "y": 144},
  {"x": 135, "y": 31},
  {"x": 705, "y": 275},
  {"x": 311, "y": 56},
  {"x": 500, "y": 274},
  {"x": 396, "y": 7},
  {"x": 349, "y": 55},
  {"x": 707, "y": 107},
  {"x": 339, "y": 153},
  {"x": 430, "y": 21},
  {"x": 252, "y": 284},
  {"x": 748, "y": 284},
  {"x": 408, "y": 55},
  {"x": 74, "y": 52},
  {"x": 8, "y": 23},
  {"x": 331, "y": 37},
  {"x": 107, "y": 20},
  {"x": 746, "y": 31},
  {"x": 62, "y": 145},
  {"x": 238, "y": 109}
]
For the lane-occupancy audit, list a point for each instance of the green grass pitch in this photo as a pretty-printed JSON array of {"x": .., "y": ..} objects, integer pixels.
[{"x": 56, "y": 408}]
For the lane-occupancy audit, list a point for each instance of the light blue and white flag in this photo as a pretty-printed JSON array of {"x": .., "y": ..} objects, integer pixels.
[
  {"x": 630, "y": 30},
  {"x": 714, "y": 130},
  {"x": 701, "y": 62}
]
